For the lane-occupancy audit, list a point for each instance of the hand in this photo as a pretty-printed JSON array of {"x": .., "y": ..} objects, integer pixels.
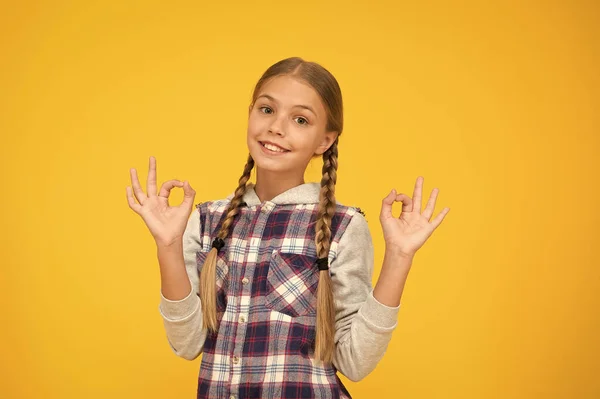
[
  {"x": 166, "y": 223},
  {"x": 407, "y": 233}
]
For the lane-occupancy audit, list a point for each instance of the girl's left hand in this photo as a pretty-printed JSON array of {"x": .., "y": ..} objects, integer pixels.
[{"x": 407, "y": 233}]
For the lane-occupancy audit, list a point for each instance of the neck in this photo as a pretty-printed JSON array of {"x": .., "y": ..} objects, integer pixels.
[{"x": 270, "y": 184}]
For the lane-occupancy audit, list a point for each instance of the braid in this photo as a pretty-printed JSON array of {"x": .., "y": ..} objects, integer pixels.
[
  {"x": 236, "y": 201},
  {"x": 324, "y": 346},
  {"x": 208, "y": 275}
]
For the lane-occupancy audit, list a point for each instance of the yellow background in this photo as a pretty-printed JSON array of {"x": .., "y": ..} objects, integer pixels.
[{"x": 495, "y": 104}]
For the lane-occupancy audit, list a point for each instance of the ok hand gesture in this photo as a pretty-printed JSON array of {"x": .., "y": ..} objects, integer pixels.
[
  {"x": 166, "y": 223},
  {"x": 407, "y": 233}
]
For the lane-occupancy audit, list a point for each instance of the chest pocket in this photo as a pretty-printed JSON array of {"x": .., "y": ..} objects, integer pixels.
[
  {"x": 222, "y": 280},
  {"x": 292, "y": 282}
]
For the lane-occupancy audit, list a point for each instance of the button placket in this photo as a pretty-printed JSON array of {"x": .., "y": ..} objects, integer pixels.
[
  {"x": 259, "y": 215},
  {"x": 243, "y": 317}
]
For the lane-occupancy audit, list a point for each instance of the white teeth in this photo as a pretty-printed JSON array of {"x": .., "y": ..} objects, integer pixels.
[{"x": 272, "y": 147}]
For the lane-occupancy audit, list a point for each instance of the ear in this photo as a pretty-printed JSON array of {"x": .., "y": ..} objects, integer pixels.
[{"x": 327, "y": 141}]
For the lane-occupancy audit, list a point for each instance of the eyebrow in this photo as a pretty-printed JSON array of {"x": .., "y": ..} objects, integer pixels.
[{"x": 298, "y": 105}]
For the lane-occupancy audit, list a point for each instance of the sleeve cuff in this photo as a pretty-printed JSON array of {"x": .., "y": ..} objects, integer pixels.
[
  {"x": 180, "y": 309},
  {"x": 380, "y": 316}
]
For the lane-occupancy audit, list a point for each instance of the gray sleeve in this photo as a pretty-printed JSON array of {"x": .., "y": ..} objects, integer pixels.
[
  {"x": 363, "y": 326},
  {"x": 182, "y": 319}
]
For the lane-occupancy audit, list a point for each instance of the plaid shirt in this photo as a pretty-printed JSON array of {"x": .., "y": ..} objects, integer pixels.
[{"x": 266, "y": 301}]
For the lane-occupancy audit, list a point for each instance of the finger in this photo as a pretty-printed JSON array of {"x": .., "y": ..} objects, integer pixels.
[
  {"x": 407, "y": 202},
  {"x": 151, "y": 182},
  {"x": 431, "y": 204},
  {"x": 132, "y": 204},
  {"x": 440, "y": 217},
  {"x": 386, "y": 205},
  {"x": 188, "y": 195},
  {"x": 167, "y": 186},
  {"x": 137, "y": 189},
  {"x": 417, "y": 194}
]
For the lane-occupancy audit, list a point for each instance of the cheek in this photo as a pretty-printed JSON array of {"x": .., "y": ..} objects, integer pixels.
[
  {"x": 254, "y": 126},
  {"x": 312, "y": 140}
]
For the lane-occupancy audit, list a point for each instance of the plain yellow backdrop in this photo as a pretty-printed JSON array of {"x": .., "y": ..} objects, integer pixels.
[{"x": 494, "y": 103}]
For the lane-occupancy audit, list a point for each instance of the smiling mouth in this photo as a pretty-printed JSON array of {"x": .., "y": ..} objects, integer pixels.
[{"x": 272, "y": 147}]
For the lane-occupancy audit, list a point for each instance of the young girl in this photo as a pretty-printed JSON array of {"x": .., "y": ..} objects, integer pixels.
[{"x": 273, "y": 283}]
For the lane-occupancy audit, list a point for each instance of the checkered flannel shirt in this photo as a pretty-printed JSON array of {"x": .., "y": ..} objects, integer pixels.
[{"x": 266, "y": 300}]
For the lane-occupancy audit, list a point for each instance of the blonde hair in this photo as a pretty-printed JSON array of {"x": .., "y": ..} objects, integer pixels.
[{"x": 328, "y": 89}]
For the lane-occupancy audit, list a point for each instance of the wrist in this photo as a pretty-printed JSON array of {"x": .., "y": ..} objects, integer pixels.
[
  {"x": 396, "y": 251},
  {"x": 396, "y": 266},
  {"x": 170, "y": 257},
  {"x": 169, "y": 246},
  {"x": 169, "y": 254},
  {"x": 398, "y": 258}
]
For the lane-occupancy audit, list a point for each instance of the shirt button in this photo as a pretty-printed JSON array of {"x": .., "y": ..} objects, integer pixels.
[
  {"x": 245, "y": 281},
  {"x": 243, "y": 319},
  {"x": 236, "y": 360}
]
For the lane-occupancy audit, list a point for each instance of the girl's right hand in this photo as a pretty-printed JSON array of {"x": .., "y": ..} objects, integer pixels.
[{"x": 166, "y": 223}]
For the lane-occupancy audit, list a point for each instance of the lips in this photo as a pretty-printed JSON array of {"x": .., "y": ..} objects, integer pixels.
[{"x": 272, "y": 146}]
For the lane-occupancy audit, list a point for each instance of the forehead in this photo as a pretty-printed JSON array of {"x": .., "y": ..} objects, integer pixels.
[{"x": 291, "y": 91}]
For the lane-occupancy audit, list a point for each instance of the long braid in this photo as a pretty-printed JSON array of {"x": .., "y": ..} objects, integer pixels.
[
  {"x": 208, "y": 275},
  {"x": 324, "y": 345}
]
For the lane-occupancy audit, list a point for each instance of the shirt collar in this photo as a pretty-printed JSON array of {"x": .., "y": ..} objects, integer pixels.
[{"x": 306, "y": 193}]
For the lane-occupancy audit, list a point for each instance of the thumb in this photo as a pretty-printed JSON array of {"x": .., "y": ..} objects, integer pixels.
[{"x": 386, "y": 205}]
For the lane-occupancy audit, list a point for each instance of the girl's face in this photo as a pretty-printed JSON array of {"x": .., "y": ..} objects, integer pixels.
[{"x": 287, "y": 126}]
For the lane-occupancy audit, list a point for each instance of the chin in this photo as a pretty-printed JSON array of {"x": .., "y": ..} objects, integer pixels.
[{"x": 271, "y": 165}]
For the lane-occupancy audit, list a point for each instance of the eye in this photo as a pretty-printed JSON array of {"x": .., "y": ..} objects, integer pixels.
[
  {"x": 264, "y": 108},
  {"x": 302, "y": 121}
]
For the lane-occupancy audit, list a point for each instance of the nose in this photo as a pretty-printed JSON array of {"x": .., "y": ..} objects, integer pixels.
[{"x": 277, "y": 127}]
